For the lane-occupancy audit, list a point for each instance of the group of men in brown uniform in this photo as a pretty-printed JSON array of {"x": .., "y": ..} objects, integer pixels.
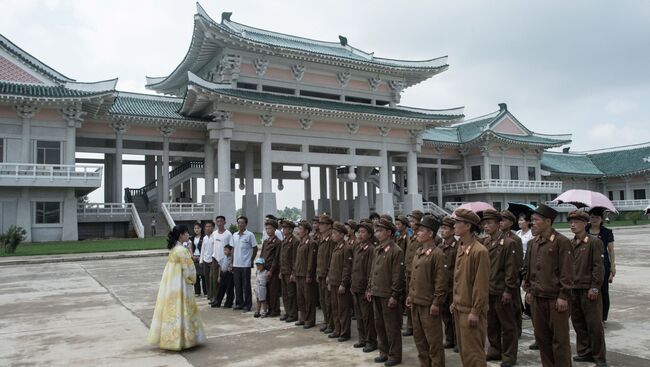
[{"x": 457, "y": 289}]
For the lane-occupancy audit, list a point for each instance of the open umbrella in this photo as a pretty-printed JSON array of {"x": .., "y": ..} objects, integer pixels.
[
  {"x": 518, "y": 208},
  {"x": 476, "y": 206},
  {"x": 646, "y": 211},
  {"x": 586, "y": 198}
]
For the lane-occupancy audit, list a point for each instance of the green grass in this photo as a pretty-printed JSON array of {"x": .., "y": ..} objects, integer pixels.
[
  {"x": 614, "y": 223},
  {"x": 89, "y": 246}
]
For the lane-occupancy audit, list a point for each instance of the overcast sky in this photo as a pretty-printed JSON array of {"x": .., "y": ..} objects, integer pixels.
[{"x": 579, "y": 67}]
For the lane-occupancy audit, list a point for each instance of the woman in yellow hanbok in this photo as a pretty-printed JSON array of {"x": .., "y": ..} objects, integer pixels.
[{"x": 176, "y": 323}]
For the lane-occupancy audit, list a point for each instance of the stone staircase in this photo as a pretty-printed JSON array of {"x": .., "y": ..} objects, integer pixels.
[{"x": 162, "y": 228}]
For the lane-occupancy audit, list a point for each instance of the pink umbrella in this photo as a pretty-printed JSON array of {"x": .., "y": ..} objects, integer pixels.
[
  {"x": 476, "y": 206},
  {"x": 586, "y": 198}
]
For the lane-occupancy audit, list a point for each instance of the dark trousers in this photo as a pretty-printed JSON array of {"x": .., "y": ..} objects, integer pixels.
[
  {"x": 427, "y": 335},
  {"x": 409, "y": 318},
  {"x": 206, "y": 269},
  {"x": 273, "y": 295},
  {"x": 324, "y": 300},
  {"x": 388, "y": 323},
  {"x": 448, "y": 320},
  {"x": 305, "y": 299},
  {"x": 604, "y": 292},
  {"x": 588, "y": 324},
  {"x": 341, "y": 311},
  {"x": 551, "y": 333},
  {"x": 200, "y": 280},
  {"x": 503, "y": 333},
  {"x": 213, "y": 283},
  {"x": 365, "y": 319},
  {"x": 289, "y": 297},
  {"x": 243, "y": 292},
  {"x": 227, "y": 288}
]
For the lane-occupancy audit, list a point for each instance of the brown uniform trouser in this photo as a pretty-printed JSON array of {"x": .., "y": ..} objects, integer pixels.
[
  {"x": 409, "y": 316},
  {"x": 471, "y": 340},
  {"x": 427, "y": 335},
  {"x": 289, "y": 297},
  {"x": 448, "y": 319},
  {"x": 324, "y": 300},
  {"x": 388, "y": 322},
  {"x": 213, "y": 285},
  {"x": 587, "y": 319},
  {"x": 305, "y": 301},
  {"x": 502, "y": 330},
  {"x": 551, "y": 333},
  {"x": 273, "y": 295},
  {"x": 365, "y": 319},
  {"x": 516, "y": 298},
  {"x": 341, "y": 311}
]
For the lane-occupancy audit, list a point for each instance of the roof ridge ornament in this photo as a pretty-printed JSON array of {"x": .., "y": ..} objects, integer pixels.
[
  {"x": 343, "y": 40},
  {"x": 225, "y": 16},
  {"x": 260, "y": 66},
  {"x": 344, "y": 78},
  {"x": 298, "y": 71}
]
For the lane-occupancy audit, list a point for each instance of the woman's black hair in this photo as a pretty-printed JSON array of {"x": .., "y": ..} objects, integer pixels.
[
  {"x": 200, "y": 226},
  {"x": 175, "y": 234},
  {"x": 526, "y": 217}
]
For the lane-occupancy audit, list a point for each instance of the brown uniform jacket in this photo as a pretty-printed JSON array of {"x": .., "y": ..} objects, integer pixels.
[
  {"x": 472, "y": 279},
  {"x": 519, "y": 248},
  {"x": 305, "y": 263},
  {"x": 402, "y": 241},
  {"x": 504, "y": 265},
  {"x": 361, "y": 263},
  {"x": 428, "y": 276},
  {"x": 387, "y": 273},
  {"x": 324, "y": 256},
  {"x": 450, "y": 251},
  {"x": 270, "y": 255},
  {"x": 550, "y": 266},
  {"x": 588, "y": 263},
  {"x": 288, "y": 249},
  {"x": 411, "y": 246},
  {"x": 340, "y": 270}
]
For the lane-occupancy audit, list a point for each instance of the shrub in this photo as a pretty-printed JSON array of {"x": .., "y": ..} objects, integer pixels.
[
  {"x": 12, "y": 238},
  {"x": 233, "y": 228}
]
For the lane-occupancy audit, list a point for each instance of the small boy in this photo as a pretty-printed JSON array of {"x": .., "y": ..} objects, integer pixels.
[
  {"x": 260, "y": 289},
  {"x": 226, "y": 279}
]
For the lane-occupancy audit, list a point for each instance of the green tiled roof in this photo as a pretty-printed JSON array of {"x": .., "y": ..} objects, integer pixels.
[
  {"x": 43, "y": 91},
  {"x": 623, "y": 160},
  {"x": 569, "y": 163},
  {"x": 148, "y": 106},
  {"x": 444, "y": 135}
]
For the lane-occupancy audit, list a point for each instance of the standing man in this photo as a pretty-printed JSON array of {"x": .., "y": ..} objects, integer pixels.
[
  {"x": 338, "y": 282},
  {"x": 245, "y": 247},
  {"x": 449, "y": 247},
  {"x": 222, "y": 237},
  {"x": 153, "y": 226},
  {"x": 586, "y": 306},
  {"x": 385, "y": 288},
  {"x": 304, "y": 274},
  {"x": 288, "y": 249},
  {"x": 548, "y": 285},
  {"x": 271, "y": 256},
  {"x": 504, "y": 281},
  {"x": 507, "y": 221},
  {"x": 325, "y": 246},
  {"x": 412, "y": 245},
  {"x": 206, "y": 259},
  {"x": 471, "y": 289},
  {"x": 401, "y": 236},
  {"x": 427, "y": 295},
  {"x": 361, "y": 263}
]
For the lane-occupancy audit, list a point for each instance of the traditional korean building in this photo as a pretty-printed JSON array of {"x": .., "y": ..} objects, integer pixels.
[{"x": 248, "y": 104}]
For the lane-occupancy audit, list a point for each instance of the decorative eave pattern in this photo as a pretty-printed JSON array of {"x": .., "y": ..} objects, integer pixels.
[{"x": 151, "y": 110}]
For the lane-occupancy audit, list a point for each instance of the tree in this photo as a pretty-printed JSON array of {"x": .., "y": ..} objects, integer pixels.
[{"x": 290, "y": 213}]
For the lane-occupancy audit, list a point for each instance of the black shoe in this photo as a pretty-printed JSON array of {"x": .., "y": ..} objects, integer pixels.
[
  {"x": 586, "y": 358},
  {"x": 283, "y": 318},
  {"x": 299, "y": 323},
  {"x": 369, "y": 348},
  {"x": 215, "y": 305},
  {"x": 506, "y": 364},
  {"x": 237, "y": 308},
  {"x": 308, "y": 326},
  {"x": 381, "y": 359},
  {"x": 601, "y": 364},
  {"x": 359, "y": 345},
  {"x": 264, "y": 315},
  {"x": 257, "y": 314},
  {"x": 291, "y": 320},
  {"x": 449, "y": 345},
  {"x": 456, "y": 350},
  {"x": 333, "y": 335},
  {"x": 492, "y": 358},
  {"x": 407, "y": 332},
  {"x": 328, "y": 331},
  {"x": 391, "y": 363},
  {"x": 244, "y": 310},
  {"x": 323, "y": 328},
  {"x": 197, "y": 294},
  {"x": 533, "y": 346},
  {"x": 227, "y": 306},
  {"x": 342, "y": 339}
]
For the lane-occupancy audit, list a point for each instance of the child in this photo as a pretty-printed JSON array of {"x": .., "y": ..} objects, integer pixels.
[
  {"x": 225, "y": 280},
  {"x": 260, "y": 289}
]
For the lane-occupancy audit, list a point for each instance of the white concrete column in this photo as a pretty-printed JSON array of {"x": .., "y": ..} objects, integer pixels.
[
  {"x": 323, "y": 201},
  {"x": 349, "y": 199},
  {"x": 149, "y": 168},
  {"x": 225, "y": 196},
  {"x": 439, "y": 183},
  {"x": 223, "y": 166},
  {"x": 249, "y": 200},
  {"x": 120, "y": 128},
  {"x": 384, "y": 199},
  {"x": 70, "y": 145},
  {"x": 159, "y": 175},
  {"x": 24, "y": 209},
  {"x": 26, "y": 112},
  {"x": 334, "y": 199},
  {"x": 413, "y": 199},
  {"x": 108, "y": 179},
  {"x": 208, "y": 172},
  {"x": 166, "y": 131},
  {"x": 266, "y": 199},
  {"x": 361, "y": 202},
  {"x": 486, "y": 164},
  {"x": 308, "y": 211},
  {"x": 194, "y": 194},
  {"x": 69, "y": 217}
]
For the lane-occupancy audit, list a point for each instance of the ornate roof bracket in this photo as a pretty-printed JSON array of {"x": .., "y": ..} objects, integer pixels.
[
  {"x": 396, "y": 87},
  {"x": 260, "y": 66},
  {"x": 73, "y": 115},
  {"x": 383, "y": 130},
  {"x": 305, "y": 123},
  {"x": 374, "y": 83},
  {"x": 267, "y": 120},
  {"x": 344, "y": 78},
  {"x": 120, "y": 127},
  {"x": 298, "y": 71},
  {"x": 353, "y": 127},
  {"x": 26, "y": 111},
  {"x": 166, "y": 130}
]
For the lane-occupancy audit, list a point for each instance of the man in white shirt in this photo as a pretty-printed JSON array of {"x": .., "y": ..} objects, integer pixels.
[
  {"x": 222, "y": 237},
  {"x": 278, "y": 233},
  {"x": 245, "y": 247},
  {"x": 207, "y": 250}
]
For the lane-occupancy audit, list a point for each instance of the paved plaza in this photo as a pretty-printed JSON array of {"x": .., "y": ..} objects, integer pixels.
[{"x": 93, "y": 313}]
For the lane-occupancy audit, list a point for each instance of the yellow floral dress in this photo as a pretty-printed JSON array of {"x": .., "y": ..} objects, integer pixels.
[{"x": 176, "y": 323}]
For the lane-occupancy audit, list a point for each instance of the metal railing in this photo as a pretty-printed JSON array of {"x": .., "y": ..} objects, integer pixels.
[
  {"x": 168, "y": 217},
  {"x": 50, "y": 172},
  {"x": 142, "y": 191},
  {"x": 452, "y": 205},
  {"x": 509, "y": 185},
  {"x": 631, "y": 204},
  {"x": 429, "y": 207},
  {"x": 199, "y": 209},
  {"x": 111, "y": 210}
]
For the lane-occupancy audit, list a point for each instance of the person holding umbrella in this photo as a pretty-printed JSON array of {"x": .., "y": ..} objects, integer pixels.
[{"x": 596, "y": 228}]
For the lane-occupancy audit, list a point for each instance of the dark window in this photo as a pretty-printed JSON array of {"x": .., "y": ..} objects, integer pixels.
[
  {"x": 251, "y": 86},
  {"x": 48, "y": 213},
  {"x": 382, "y": 103},
  {"x": 639, "y": 194},
  {"x": 476, "y": 173},
  {"x": 514, "y": 172},
  {"x": 358, "y": 100},
  {"x": 458, "y": 199},
  {"x": 495, "y": 172},
  {"x": 2, "y": 150},
  {"x": 48, "y": 152},
  {"x": 621, "y": 194},
  {"x": 497, "y": 205},
  {"x": 532, "y": 174},
  {"x": 610, "y": 195},
  {"x": 272, "y": 89},
  {"x": 309, "y": 93}
]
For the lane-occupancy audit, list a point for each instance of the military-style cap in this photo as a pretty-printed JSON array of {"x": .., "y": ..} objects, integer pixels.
[
  {"x": 353, "y": 225},
  {"x": 288, "y": 223},
  {"x": 403, "y": 219},
  {"x": 315, "y": 219},
  {"x": 578, "y": 215},
  {"x": 507, "y": 214},
  {"x": 448, "y": 222},
  {"x": 370, "y": 228},
  {"x": 305, "y": 224},
  {"x": 416, "y": 214},
  {"x": 365, "y": 220},
  {"x": 386, "y": 224},
  {"x": 339, "y": 227},
  {"x": 429, "y": 221},
  {"x": 490, "y": 214},
  {"x": 468, "y": 216},
  {"x": 546, "y": 211},
  {"x": 271, "y": 222},
  {"x": 386, "y": 216},
  {"x": 325, "y": 219}
]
